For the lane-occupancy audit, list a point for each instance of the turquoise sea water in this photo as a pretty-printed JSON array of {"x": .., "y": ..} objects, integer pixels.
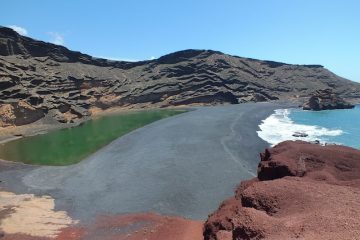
[{"x": 333, "y": 126}]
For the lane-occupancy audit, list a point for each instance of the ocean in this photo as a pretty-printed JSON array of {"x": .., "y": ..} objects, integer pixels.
[{"x": 328, "y": 127}]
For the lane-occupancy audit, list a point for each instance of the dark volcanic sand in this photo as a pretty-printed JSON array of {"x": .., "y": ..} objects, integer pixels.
[{"x": 184, "y": 166}]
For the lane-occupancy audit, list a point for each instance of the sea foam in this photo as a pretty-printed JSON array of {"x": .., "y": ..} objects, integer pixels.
[{"x": 279, "y": 127}]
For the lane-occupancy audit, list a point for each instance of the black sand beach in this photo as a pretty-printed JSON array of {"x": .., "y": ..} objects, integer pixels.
[{"x": 184, "y": 166}]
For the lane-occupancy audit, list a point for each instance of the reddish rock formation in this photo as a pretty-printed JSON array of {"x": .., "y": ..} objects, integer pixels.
[{"x": 303, "y": 191}]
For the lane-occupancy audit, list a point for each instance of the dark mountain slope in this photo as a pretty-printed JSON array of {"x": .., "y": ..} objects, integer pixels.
[{"x": 39, "y": 79}]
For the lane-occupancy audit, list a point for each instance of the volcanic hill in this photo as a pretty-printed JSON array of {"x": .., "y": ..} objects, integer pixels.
[{"x": 39, "y": 80}]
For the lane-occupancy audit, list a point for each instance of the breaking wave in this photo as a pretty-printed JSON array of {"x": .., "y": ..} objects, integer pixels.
[{"x": 279, "y": 127}]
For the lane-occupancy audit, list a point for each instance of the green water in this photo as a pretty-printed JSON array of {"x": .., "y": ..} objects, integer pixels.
[{"x": 71, "y": 145}]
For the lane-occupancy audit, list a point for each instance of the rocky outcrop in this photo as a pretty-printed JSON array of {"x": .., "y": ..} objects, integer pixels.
[
  {"x": 300, "y": 134},
  {"x": 303, "y": 191},
  {"x": 49, "y": 77},
  {"x": 326, "y": 100},
  {"x": 19, "y": 113}
]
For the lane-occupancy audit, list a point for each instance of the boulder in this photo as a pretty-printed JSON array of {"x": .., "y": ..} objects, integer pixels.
[
  {"x": 300, "y": 134},
  {"x": 326, "y": 100}
]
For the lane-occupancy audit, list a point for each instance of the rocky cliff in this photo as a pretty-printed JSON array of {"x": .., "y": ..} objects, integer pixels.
[
  {"x": 326, "y": 99},
  {"x": 303, "y": 191},
  {"x": 64, "y": 86}
]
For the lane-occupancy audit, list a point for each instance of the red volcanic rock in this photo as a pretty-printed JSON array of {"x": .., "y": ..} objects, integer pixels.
[
  {"x": 303, "y": 191},
  {"x": 332, "y": 163}
]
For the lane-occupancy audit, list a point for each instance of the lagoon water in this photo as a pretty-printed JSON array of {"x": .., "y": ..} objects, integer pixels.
[
  {"x": 332, "y": 126},
  {"x": 71, "y": 145}
]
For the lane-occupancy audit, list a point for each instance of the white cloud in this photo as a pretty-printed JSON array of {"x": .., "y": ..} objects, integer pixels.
[
  {"x": 118, "y": 59},
  {"x": 19, "y": 30},
  {"x": 57, "y": 38},
  {"x": 125, "y": 59}
]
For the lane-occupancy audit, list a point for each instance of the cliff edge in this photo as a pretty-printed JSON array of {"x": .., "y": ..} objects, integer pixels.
[{"x": 303, "y": 191}]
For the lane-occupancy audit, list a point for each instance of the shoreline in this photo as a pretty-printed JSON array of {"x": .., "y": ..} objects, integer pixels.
[
  {"x": 11, "y": 133},
  {"x": 193, "y": 164},
  {"x": 41, "y": 127},
  {"x": 281, "y": 126}
]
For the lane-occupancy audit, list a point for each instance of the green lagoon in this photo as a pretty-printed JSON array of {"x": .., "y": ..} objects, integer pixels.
[{"x": 71, "y": 145}]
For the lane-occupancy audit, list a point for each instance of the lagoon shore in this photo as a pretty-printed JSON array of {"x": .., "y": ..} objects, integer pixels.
[
  {"x": 47, "y": 124},
  {"x": 180, "y": 166}
]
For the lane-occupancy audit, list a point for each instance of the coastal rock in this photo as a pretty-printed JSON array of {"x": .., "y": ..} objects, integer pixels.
[
  {"x": 326, "y": 100},
  {"x": 303, "y": 191},
  {"x": 300, "y": 134},
  {"x": 50, "y": 76}
]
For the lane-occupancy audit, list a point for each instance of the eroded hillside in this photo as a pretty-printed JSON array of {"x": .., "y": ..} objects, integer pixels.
[{"x": 40, "y": 80}]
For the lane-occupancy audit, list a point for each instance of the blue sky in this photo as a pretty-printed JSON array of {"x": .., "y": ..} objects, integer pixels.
[{"x": 296, "y": 31}]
